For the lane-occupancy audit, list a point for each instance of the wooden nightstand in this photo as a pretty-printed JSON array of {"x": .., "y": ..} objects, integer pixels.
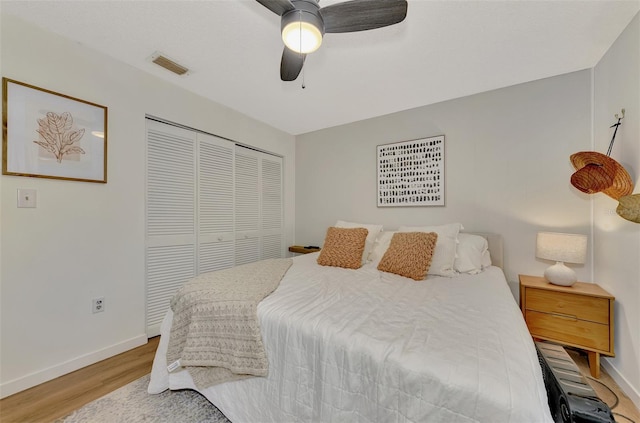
[
  {"x": 299, "y": 249},
  {"x": 579, "y": 316}
]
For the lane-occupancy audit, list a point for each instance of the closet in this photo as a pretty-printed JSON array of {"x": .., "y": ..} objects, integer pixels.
[{"x": 211, "y": 204}]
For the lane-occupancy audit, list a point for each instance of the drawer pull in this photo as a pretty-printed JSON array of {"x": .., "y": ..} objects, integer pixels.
[{"x": 565, "y": 317}]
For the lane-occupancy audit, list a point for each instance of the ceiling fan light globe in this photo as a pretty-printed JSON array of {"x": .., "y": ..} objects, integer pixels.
[{"x": 302, "y": 37}]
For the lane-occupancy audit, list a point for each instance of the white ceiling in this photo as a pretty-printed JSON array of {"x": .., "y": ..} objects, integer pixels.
[{"x": 443, "y": 50}]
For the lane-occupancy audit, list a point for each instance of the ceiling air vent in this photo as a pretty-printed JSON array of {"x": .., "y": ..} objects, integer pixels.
[{"x": 161, "y": 60}]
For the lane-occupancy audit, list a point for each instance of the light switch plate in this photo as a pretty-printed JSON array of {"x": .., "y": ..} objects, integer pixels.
[{"x": 26, "y": 198}]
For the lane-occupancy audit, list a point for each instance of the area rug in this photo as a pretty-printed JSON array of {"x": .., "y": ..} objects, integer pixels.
[{"x": 133, "y": 404}]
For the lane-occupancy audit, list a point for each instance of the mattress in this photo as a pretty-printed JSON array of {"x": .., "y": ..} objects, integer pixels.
[{"x": 368, "y": 346}]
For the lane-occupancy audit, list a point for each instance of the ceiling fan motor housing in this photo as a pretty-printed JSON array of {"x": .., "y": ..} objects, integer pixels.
[
  {"x": 305, "y": 11},
  {"x": 303, "y": 24}
]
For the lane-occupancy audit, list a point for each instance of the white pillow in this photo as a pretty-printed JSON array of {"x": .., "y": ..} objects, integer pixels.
[
  {"x": 470, "y": 254},
  {"x": 380, "y": 247},
  {"x": 445, "y": 254},
  {"x": 486, "y": 259},
  {"x": 374, "y": 230}
]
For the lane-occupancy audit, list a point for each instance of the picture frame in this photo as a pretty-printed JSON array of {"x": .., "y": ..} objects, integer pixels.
[
  {"x": 46, "y": 134},
  {"x": 411, "y": 173}
]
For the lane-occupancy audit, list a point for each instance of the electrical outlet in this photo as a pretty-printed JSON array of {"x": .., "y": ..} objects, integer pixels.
[{"x": 98, "y": 304}]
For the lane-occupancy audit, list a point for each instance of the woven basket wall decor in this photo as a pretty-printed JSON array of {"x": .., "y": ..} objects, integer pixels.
[
  {"x": 629, "y": 207},
  {"x": 596, "y": 172}
]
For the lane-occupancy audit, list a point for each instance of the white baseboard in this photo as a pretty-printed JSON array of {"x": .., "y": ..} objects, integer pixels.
[
  {"x": 623, "y": 383},
  {"x": 20, "y": 384},
  {"x": 153, "y": 330}
]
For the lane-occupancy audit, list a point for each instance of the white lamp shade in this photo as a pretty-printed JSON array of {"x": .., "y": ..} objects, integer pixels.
[
  {"x": 566, "y": 248},
  {"x": 559, "y": 247}
]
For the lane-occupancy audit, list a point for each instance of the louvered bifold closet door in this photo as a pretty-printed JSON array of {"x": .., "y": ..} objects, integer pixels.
[
  {"x": 170, "y": 216},
  {"x": 247, "y": 205},
  {"x": 216, "y": 237},
  {"x": 272, "y": 213}
]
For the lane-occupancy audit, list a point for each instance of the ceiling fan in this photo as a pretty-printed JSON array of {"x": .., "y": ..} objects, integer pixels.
[{"x": 304, "y": 22}]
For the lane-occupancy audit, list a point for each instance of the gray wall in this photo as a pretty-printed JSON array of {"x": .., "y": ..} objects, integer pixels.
[
  {"x": 617, "y": 241},
  {"x": 507, "y": 167},
  {"x": 87, "y": 240}
]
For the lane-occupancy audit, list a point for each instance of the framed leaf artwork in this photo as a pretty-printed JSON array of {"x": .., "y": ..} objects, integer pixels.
[{"x": 50, "y": 135}]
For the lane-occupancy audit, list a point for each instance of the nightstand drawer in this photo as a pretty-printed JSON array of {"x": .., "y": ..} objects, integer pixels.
[
  {"x": 593, "y": 309},
  {"x": 564, "y": 328}
]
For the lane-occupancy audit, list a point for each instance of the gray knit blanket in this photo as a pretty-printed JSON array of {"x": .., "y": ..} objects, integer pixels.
[{"x": 215, "y": 332}]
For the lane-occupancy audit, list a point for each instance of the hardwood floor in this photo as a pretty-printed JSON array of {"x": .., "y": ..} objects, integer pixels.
[
  {"x": 59, "y": 397},
  {"x": 624, "y": 410}
]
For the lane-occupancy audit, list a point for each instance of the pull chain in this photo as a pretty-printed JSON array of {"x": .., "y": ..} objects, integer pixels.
[{"x": 300, "y": 48}]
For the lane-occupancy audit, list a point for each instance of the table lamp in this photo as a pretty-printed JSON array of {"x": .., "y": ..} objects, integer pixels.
[{"x": 561, "y": 248}]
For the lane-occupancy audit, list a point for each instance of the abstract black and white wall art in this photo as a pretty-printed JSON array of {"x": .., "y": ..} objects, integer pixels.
[{"x": 411, "y": 173}]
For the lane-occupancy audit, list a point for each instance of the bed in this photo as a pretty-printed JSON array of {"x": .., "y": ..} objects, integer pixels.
[{"x": 363, "y": 345}]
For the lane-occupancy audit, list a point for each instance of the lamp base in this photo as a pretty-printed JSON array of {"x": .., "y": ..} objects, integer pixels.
[{"x": 559, "y": 274}]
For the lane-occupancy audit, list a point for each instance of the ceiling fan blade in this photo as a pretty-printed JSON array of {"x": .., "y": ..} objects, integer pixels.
[
  {"x": 291, "y": 64},
  {"x": 361, "y": 15},
  {"x": 279, "y": 7}
]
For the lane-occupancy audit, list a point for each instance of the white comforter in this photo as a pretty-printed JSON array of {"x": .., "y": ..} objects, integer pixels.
[{"x": 368, "y": 346}]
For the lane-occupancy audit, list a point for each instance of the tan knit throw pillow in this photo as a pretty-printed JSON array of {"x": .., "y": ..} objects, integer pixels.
[
  {"x": 343, "y": 247},
  {"x": 409, "y": 254}
]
